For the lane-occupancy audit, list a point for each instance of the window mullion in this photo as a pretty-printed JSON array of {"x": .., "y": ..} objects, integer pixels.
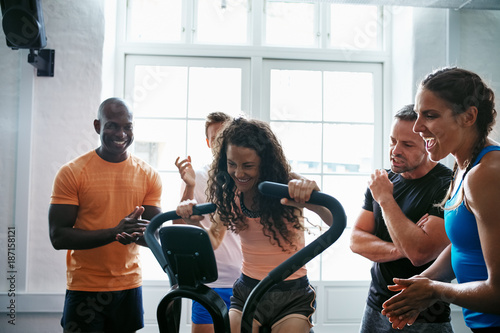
[
  {"x": 189, "y": 20},
  {"x": 325, "y": 25}
]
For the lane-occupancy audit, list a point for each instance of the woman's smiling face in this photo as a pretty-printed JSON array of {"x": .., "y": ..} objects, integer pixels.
[
  {"x": 437, "y": 125},
  {"x": 243, "y": 166}
]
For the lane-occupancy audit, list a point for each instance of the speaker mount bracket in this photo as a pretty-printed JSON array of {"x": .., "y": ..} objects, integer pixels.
[{"x": 43, "y": 61}]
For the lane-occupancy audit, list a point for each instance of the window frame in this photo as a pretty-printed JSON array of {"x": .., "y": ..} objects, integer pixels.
[
  {"x": 378, "y": 121},
  {"x": 259, "y": 57},
  {"x": 132, "y": 60}
]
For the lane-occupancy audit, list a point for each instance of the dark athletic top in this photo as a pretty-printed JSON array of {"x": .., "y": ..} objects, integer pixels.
[{"x": 415, "y": 197}]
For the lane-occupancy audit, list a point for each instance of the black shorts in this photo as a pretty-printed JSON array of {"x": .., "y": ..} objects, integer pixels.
[
  {"x": 105, "y": 311},
  {"x": 291, "y": 297}
]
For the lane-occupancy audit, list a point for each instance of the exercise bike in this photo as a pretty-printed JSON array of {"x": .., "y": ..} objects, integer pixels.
[{"x": 185, "y": 254}]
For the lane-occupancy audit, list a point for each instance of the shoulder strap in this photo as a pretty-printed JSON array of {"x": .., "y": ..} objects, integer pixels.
[{"x": 484, "y": 152}]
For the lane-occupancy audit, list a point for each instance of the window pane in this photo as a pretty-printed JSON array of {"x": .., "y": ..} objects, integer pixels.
[
  {"x": 290, "y": 24},
  {"x": 349, "y": 97},
  {"x": 160, "y": 91},
  {"x": 339, "y": 263},
  {"x": 301, "y": 143},
  {"x": 151, "y": 269},
  {"x": 197, "y": 145},
  {"x": 214, "y": 89},
  {"x": 154, "y": 143},
  {"x": 354, "y": 27},
  {"x": 155, "y": 20},
  {"x": 324, "y": 115},
  {"x": 222, "y": 21},
  {"x": 315, "y": 227},
  {"x": 349, "y": 190},
  {"x": 157, "y": 141},
  {"x": 348, "y": 148},
  {"x": 171, "y": 194},
  {"x": 296, "y": 95}
]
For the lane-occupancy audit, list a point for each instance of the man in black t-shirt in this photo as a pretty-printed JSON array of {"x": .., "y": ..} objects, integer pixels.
[{"x": 400, "y": 228}]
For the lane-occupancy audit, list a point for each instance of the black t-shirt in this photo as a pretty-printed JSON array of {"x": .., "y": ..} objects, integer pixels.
[{"x": 415, "y": 197}]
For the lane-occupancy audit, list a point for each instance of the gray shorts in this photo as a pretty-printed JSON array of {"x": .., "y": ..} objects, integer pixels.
[
  {"x": 292, "y": 297},
  {"x": 375, "y": 322}
]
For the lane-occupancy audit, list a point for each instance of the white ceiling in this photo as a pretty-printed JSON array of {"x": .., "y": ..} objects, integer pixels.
[{"x": 452, "y": 4}]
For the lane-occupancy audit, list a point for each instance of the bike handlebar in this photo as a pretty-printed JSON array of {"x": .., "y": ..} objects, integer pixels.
[{"x": 299, "y": 259}]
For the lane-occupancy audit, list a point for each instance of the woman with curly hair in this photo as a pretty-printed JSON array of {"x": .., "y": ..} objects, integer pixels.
[
  {"x": 271, "y": 230},
  {"x": 456, "y": 112}
]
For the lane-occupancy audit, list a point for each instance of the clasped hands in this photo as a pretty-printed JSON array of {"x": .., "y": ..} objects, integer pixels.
[
  {"x": 415, "y": 295},
  {"x": 131, "y": 228}
]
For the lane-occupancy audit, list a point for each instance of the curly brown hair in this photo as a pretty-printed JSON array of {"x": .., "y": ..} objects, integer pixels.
[{"x": 222, "y": 191}]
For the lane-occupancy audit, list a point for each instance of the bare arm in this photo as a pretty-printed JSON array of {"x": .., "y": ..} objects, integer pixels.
[
  {"x": 63, "y": 235},
  {"x": 441, "y": 269},
  {"x": 216, "y": 231},
  {"x": 421, "y": 242},
  {"x": 365, "y": 243},
  {"x": 300, "y": 191},
  {"x": 188, "y": 176},
  {"x": 482, "y": 189}
]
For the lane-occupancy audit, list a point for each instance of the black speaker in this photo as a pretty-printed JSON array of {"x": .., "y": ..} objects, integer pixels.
[{"x": 22, "y": 22}]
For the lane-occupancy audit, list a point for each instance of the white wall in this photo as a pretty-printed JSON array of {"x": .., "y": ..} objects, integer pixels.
[
  {"x": 402, "y": 54},
  {"x": 443, "y": 37},
  {"x": 479, "y": 50},
  {"x": 63, "y": 108},
  {"x": 48, "y": 121},
  {"x": 45, "y": 122},
  {"x": 9, "y": 91}
]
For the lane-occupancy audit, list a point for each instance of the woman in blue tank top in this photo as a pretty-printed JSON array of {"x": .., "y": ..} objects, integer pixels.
[{"x": 456, "y": 112}]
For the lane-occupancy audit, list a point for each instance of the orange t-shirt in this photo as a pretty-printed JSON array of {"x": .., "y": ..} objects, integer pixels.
[
  {"x": 260, "y": 256},
  {"x": 105, "y": 193}
]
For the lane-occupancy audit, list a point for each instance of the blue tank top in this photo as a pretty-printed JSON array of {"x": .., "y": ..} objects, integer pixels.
[{"x": 466, "y": 254}]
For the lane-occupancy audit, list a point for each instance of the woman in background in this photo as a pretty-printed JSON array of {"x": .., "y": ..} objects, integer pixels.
[{"x": 456, "y": 112}]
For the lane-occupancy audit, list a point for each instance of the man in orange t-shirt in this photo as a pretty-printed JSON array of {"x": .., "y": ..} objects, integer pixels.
[{"x": 100, "y": 206}]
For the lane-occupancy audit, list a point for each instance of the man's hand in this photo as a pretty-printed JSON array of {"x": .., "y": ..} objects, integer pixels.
[
  {"x": 126, "y": 239},
  {"x": 380, "y": 186},
  {"x": 131, "y": 228},
  {"x": 186, "y": 171}
]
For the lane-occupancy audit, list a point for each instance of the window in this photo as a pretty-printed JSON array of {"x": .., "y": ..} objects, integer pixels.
[
  {"x": 328, "y": 133},
  {"x": 325, "y": 109},
  {"x": 290, "y": 24},
  {"x": 171, "y": 97},
  {"x": 283, "y": 23},
  {"x": 355, "y": 27},
  {"x": 201, "y": 21},
  {"x": 304, "y": 24},
  {"x": 222, "y": 22},
  {"x": 155, "y": 21}
]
